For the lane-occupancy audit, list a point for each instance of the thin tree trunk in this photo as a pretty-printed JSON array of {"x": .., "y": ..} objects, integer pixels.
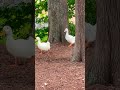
[
  {"x": 79, "y": 49},
  {"x": 58, "y": 21}
]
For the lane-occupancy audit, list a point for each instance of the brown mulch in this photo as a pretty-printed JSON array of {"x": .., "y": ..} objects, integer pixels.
[
  {"x": 15, "y": 78},
  {"x": 55, "y": 71},
  {"x": 52, "y": 68}
]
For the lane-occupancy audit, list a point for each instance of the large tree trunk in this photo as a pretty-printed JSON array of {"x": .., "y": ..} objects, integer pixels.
[
  {"x": 1, "y": 2},
  {"x": 8, "y": 1},
  {"x": 105, "y": 68},
  {"x": 79, "y": 49},
  {"x": 58, "y": 21},
  {"x": 114, "y": 20}
]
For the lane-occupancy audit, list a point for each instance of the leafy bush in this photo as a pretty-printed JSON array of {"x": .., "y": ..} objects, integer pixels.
[
  {"x": 71, "y": 27},
  {"x": 90, "y": 11},
  {"x": 71, "y": 8},
  {"x": 42, "y": 33},
  {"x": 19, "y": 18},
  {"x": 40, "y": 7}
]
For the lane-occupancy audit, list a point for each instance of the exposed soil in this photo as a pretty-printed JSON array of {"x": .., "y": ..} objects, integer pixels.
[{"x": 55, "y": 71}]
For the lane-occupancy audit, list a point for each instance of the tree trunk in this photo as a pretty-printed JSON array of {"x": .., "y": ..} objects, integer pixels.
[
  {"x": 79, "y": 49},
  {"x": 114, "y": 20},
  {"x": 58, "y": 21},
  {"x": 105, "y": 68},
  {"x": 1, "y": 1},
  {"x": 8, "y": 1}
]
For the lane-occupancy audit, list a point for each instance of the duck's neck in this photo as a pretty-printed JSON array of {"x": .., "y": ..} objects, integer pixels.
[
  {"x": 67, "y": 33},
  {"x": 10, "y": 36}
]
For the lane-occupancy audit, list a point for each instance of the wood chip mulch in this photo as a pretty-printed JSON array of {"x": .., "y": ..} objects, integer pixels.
[{"x": 55, "y": 71}]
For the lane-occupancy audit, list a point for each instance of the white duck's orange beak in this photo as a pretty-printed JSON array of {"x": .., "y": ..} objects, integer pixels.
[{"x": 2, "y": 33}]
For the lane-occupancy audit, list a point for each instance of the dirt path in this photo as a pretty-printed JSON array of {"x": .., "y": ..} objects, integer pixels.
[{"x": 54, "y": 71}]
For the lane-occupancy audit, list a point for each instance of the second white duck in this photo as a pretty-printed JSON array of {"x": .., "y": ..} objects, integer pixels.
[
  {"x": 43, "y": 46},
  {"x": 18, "y": 48},
  {"x": 69, "y": 38}
]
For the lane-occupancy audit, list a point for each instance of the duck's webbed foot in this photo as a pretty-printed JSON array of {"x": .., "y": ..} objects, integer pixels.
[{"x": 70, "y": 45}]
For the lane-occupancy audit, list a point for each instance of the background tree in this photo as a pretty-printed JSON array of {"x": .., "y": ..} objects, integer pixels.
[
  {"x": 105, "y": 68},
  {"x": 58, "y": 21},
  {"x": 79, "y": 49}
]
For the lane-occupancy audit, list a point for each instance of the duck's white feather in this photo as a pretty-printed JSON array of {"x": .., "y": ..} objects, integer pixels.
[
  {"x": 45, "y": 46},
  {"x": 20, "y": 47},
  {"x": 90, "y": 32}
]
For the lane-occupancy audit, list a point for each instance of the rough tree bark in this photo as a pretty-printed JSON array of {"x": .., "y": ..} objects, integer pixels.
[
  {"x": 79, "y": 49},
  {"x": 105, "y": 68},
  {"x": 8, "y": 1},
  {"x": 58, "y": 21}
]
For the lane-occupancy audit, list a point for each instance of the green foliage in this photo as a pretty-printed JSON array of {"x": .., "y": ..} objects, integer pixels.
[
  {"x": 19, "y": 18},
  {"x": 90, "y": 11},
  {"x": 41, "y": 5},
  {"x": 41, "y": 17},
  {"x": 71, "y": 28},
  {"x": 42, "y": 33},
  {"x": 23, "y": 31},
  {"x": 71, "y": 8}
]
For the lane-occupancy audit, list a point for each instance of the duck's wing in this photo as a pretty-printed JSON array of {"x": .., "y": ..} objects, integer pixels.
[
  {"x": 71, "y": 37},
  {"x": 44, "y": 44}
]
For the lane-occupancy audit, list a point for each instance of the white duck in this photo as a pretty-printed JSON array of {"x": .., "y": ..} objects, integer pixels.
[
  {"x": 90, "y": 34},
  {"x": 69, "y": 38},
  {"x": 43, "y": 46},
  {"x": 19, "y": 48}
]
